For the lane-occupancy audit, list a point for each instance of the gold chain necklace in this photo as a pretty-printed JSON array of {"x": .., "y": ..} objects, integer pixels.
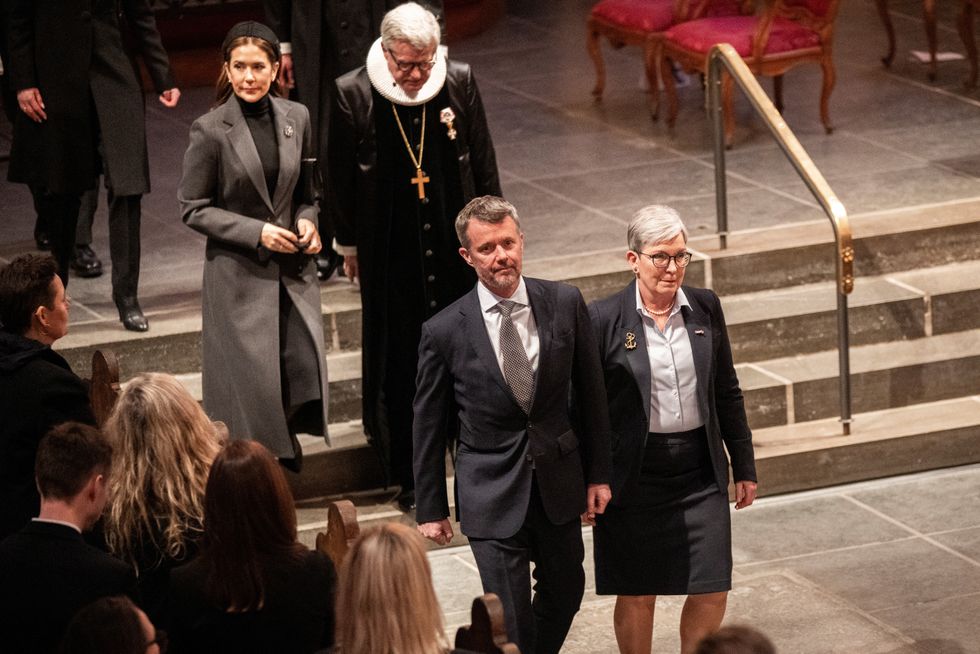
[{"x": 420, "y": 178}]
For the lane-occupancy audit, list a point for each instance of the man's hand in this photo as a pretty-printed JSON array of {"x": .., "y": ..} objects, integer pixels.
[
  {"x": 744, "y": 494},
  {"x": 351, "y": 269},
  {"x": 170, "y": 97},
  {"x": 441, "y": 532},
  {"x": 30, "y": 103},
  {"x": 597, "y": 499},
  {"x": 286, "y": 77}
]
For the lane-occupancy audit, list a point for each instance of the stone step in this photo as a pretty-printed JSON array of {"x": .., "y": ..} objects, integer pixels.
[
  {"x": 896, "y": 306},
  {"x": 883, "y": 375},
  {"x": 795, "y": 255}
]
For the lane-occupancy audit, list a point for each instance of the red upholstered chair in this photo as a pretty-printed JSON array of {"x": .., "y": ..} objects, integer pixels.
[
  {"x": 642, "y": 23},
  {"x": 786, "y": 34}
]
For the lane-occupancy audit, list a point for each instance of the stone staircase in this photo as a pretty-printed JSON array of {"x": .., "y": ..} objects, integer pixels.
[{"x": 915, "y": 355}]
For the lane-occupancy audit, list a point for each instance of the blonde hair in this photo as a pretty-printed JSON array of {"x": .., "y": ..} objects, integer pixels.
[
  {"x": 385, "y": 601},
  {"x": 164, "y": 445}
]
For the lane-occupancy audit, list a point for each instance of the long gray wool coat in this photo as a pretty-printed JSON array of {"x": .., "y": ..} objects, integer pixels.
[{"x": 223, "y": 195}]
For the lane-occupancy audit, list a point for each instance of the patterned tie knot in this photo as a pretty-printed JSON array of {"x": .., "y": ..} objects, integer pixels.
[{"x": 506, "y": 307}]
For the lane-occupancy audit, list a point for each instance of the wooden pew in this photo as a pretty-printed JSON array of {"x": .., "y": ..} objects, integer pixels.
[
  {"x": 486, "y": 632},
  {"x": 104, "y": 385},
  {"x": 342, "y": 530}
]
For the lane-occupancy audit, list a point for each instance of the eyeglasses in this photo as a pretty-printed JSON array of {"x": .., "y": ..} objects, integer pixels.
[
  {"x": 662, "y": 259},
  {"x": 407, "y": 66},
  {"x": 161, "y": 641}
]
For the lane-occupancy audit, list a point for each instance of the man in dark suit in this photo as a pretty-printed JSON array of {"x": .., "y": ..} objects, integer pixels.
[
  {"x": 496, "y": 371},
  {"x": 48, "y": 571}
]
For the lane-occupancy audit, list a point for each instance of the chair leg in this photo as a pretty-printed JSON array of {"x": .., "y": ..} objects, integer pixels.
[
  {"x": 662, "y": 64},
  {"x": 777, "y": 92},
  {"x": 886, "y": 20},
  {"x": 595, "y": 52},
  {"x": 653, "y": 78},
  {"x": 728, "y": 108},
  {"x": 929, "y": 16},
  {"x": 829, "y": 78},
  {"x": 965, "y": 24}
]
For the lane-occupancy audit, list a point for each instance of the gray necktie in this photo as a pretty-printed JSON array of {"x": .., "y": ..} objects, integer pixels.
[{"x": 517, "y": 367}]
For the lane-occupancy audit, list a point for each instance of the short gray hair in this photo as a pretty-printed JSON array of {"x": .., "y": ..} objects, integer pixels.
[
  {"x": 656, "y": 223},
  {"x": 486, "y": 209},
  {"x": 410, "y": 23}
]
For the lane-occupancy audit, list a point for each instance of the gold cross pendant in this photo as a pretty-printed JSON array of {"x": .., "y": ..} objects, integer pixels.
[{"x": 420, "y": 180}]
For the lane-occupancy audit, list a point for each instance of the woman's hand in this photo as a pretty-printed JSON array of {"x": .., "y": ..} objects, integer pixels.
[
  {"x": 351, "y": 269},
  {"x": 744, "y": 494},
  {"x": 309, "y": 239},
  {"x": 277, "y": 239},
  {"x": 30, "y": 103}
]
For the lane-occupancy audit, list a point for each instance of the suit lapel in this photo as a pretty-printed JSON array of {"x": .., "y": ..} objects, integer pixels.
[
  {"x": 290, "y": 140},
  {"x": 478, "y": 337},
  {"x": 698, "y": 325},
  {"x": 543, "y": 309},
  {"x": 241, "y": 142},
  {"x": 638, "y": 359}
]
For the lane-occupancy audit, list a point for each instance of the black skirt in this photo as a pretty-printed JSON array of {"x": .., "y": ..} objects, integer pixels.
[{"x": 670, "y": 534}]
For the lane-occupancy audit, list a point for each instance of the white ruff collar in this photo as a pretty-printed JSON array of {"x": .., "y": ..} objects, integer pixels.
[{"x": 384, "y": 83}]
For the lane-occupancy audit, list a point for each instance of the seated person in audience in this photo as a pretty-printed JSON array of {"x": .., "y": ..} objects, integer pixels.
[
  {"x": 252, "y": 587},
  {"x": 113, "y": 625},
  {"x": 386, "y": 603},
  {"x": 38, "y": 390},
  {"x": 163, "y": 445},
  {"x": 48, "y": 571},
  {"x": 736, "y": 639}
]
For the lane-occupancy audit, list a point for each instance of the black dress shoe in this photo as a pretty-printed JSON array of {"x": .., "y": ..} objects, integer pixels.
[
  {"x": 406, "y": 500},
  {"x": 85, "y": 262},
  {"x": 327, "y": 261},
  {"x": 131, "y": 316},
  {"x": 42, "y": 240}
]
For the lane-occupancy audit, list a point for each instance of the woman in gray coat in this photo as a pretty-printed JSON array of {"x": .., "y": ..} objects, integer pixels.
[{"x": 264, "y": 370}]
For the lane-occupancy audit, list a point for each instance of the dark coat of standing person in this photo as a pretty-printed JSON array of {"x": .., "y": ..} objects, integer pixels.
[
  {"x": 253, "y": 588},
  {"x": 497, "y": 369},
  {"x": 264, "y": 369},
  {"x": 76, "y": 86},
  {"x": 38, "y": 389},
  {"x": 409, "y": 146},
  {"x": 675, "y": 406},
  {"x": 49, "y": 572}
]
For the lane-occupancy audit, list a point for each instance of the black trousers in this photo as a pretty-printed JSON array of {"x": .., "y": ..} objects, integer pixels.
[
  {"x": 538, "y": 626},
  {"x": 58, "y": 214},
  {"x": 125, "y": 215}
]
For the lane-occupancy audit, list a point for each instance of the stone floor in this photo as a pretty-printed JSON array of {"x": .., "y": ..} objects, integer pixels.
[{"x": 888, "y": 566}]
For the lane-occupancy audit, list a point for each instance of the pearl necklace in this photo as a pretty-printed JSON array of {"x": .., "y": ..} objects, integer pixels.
[{"x": 660, "y": 313}]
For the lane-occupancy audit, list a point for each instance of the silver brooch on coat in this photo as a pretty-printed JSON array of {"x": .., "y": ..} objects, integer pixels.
[
  {"x": 288, "y": 131},
  {"x": 446, "y": 117},
  {"x": 630, "y": 341},
  {"x": 699, "y": 332}
]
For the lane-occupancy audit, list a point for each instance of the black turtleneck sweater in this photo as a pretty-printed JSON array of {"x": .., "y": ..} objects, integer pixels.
[{"x": 262, "y": 126}]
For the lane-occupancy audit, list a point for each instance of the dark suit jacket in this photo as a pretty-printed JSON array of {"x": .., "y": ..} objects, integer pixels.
[
  {"x": 628, "y": 377},
  {"x": 37, "y": 391},
  {"x": 49, "y": 573},
  {"x": 460, "y": 380},
  {"x": 298, "y": 615}
]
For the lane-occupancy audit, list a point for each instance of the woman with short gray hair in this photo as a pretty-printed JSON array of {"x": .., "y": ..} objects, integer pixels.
[{"x": 675, "y": 407}]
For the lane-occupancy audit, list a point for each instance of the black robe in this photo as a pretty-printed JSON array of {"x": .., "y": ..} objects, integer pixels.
[{"x": 376, "y": 208}]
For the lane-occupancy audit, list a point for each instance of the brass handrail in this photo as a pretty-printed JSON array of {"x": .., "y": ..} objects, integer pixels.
[{"x": 723, "y": 54}]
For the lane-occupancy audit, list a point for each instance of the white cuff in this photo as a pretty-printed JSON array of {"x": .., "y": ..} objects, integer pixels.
[
  {"x": 285, "y": 47},
  {"x": 345, "y": 250}
]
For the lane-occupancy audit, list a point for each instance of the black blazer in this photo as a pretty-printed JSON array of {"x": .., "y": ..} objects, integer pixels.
[
  {"x": 628, "y": 378},
  {"x": 48, "y": 574},
  {"x": 460, "y": 381},
  {"x": 298, "y": 615}
]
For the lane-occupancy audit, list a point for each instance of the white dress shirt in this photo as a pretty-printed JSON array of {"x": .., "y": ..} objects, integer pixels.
[
  {"x": 673, "y": 378},
  {"x": 522, "y": 316}
]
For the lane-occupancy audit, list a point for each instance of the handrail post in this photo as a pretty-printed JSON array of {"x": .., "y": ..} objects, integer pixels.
[
  {"x": 721, "y": 181},
  {"x": 723, "y": 54}
]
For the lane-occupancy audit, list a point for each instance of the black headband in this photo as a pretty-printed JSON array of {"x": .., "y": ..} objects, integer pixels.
[{"x": 251, "y": 28}]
